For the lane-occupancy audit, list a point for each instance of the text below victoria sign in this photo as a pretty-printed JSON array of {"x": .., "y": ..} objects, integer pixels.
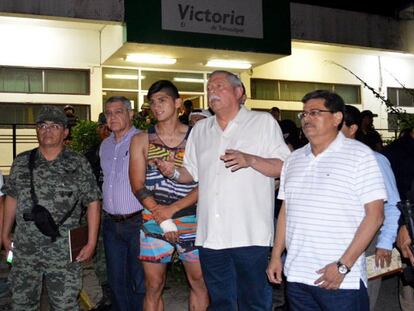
[{"x": 239, "y": 18}]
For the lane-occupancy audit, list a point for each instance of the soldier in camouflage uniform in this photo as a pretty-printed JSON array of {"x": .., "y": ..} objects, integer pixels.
[{"x": 62, "y": 180}]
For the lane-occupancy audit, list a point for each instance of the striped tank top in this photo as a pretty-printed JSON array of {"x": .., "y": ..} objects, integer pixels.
[{"x": 165, "y": 190}]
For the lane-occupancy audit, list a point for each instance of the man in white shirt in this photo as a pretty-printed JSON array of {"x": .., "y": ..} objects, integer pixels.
[
  {"x": 234, "y": 156},
  {"x": 333, "y": 194}
]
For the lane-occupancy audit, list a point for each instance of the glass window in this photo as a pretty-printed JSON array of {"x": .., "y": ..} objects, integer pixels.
[
  {"x": 295, "y": 90},
  {"x": 264, "y": 89},
  {"x": 184, "y": 81},
  {"x": 393, "y": 95},
  {"x": 56, "y": 81},
  {"x": 67, "y": 81},
  {"x": 351, "y": 94},
  {"x": 20, "y": 80},
  {"x": 117, "y": 78},
  {"x": 405, "y": 98},
  {"x": 401, "y": 96},
  {"x": 22, "y": 113}
]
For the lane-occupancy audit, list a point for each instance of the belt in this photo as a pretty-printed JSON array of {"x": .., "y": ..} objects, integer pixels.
[{"x": 120, "y": 218}]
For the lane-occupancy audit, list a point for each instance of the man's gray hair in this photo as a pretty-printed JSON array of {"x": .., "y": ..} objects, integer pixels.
[
  {"x": 231, "y": 77},
  {"x": 115, "y": 99}
]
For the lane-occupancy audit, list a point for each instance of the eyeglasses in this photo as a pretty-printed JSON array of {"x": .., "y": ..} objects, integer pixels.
[
  {"x": 312, "y": 113},
  {"x": 49, "y": 126}
]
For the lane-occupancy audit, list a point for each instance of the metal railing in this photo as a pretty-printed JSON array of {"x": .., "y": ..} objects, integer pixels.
[{"x": 15, "y": 138}]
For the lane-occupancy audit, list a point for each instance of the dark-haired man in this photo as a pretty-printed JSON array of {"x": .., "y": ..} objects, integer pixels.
[
  {"x": 61, "y": 181},
  {"x": 333, "y": 196},
  {"x": 368, "y": 135},
  {"x": 169, "y": 217},
  {"x": 188, "y": 108},
  {"x": 382, "y": 245}
]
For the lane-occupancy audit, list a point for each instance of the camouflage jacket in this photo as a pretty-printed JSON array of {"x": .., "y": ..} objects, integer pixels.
[{"x": 59, "y": 184}]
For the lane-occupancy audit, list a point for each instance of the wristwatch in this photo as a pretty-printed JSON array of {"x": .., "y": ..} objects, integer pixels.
[{"x": 342, "y": 268}]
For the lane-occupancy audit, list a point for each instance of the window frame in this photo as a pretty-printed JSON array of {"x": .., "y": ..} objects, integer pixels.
[
  {"x": 43, "y": 71},
  {"x": 278, "y": 82}
]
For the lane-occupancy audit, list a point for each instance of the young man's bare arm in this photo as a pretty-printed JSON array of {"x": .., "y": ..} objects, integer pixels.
[
  {"x": 168, "y": 169},
  {"x": 137, "y": 172}
]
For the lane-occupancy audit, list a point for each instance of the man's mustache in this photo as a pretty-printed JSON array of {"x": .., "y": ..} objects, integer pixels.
[{"x": 213, "y": 97}]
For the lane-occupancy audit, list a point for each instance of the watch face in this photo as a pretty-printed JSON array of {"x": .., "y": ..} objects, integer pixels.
[{"x": 342, "y": 269}]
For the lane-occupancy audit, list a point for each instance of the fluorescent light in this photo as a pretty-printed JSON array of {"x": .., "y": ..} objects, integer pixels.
[
  {"x": 150, "y": 59},
  {"x": 189, "y": 80},
  {"x": 123, "y": 77},
  {"x": 228, "y": 64}
]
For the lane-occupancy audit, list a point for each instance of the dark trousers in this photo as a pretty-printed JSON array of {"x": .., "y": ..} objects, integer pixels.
[
  {"x": 304, "y": 297},
  {"x": 124, "y": 270},
  {"x": 236, "y": 278}
]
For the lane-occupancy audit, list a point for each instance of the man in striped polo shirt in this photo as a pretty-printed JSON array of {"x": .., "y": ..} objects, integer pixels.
[{"x": 333, "y": 194}]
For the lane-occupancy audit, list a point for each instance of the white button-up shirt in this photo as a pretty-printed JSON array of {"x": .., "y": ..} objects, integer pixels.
[{"x": 235, "y": 209}]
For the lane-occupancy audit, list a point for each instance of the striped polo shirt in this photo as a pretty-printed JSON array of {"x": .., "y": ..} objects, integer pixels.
[{"x": 324, "y": 198}]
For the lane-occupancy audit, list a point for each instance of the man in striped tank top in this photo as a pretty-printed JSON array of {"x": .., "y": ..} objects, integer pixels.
[
  {"x": 333, "y": 194},
  {"x": 169, "y": 217}
]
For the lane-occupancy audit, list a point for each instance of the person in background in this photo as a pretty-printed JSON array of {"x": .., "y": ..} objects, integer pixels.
[
  {"x": 165, "y": 201},
  {"x": 122, "y": 211},
  {"x": 188, "y": 107},
  {"x": 197, "y": 115},
  {"x": 382, "y": 244},
  {"x": 234, "y": 156},
  {"x": 333, "y": 194},
  {"x": 61, "y": 181},
  {"x": 92, "y": 155},
  {"x": 145, "y": 110},
  {"x": 290, "y": 134},
  {"x": 4, "y": 288},
  {"x": 275, "y": 112},
  {"x": 1, "y": 206},
  {"x": 400, "y": 153},
  {"x": 72, "y": 120},
  {"x": 368, "y": 135}
]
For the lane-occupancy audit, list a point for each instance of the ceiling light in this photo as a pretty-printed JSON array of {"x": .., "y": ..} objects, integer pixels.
[
  {"x": 150, "y": 59},
  {"x": 228, "y": 64},
  {"x": 189, "y": 80},
  {"x": 123, "y": 77}
]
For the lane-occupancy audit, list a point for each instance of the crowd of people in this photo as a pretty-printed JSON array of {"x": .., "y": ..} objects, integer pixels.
[{"x": 202, "y": 185}]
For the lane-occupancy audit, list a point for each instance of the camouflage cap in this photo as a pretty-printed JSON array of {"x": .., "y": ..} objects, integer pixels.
[{"x": 53, "y": 114}]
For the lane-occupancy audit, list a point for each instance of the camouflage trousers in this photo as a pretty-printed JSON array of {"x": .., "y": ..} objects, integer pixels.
[{"x": 49, "y": 264}]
